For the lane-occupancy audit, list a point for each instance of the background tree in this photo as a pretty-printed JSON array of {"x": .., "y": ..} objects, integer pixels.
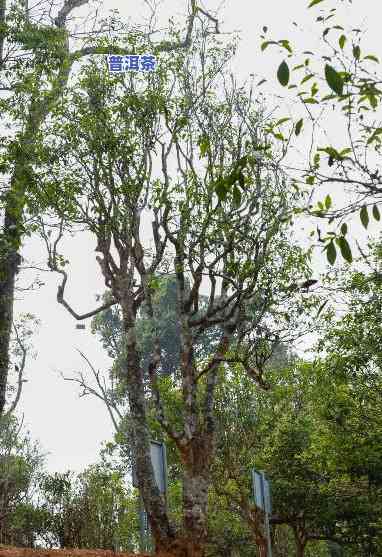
[
  {"x": 34, "y": 68},
  {"x": 308, "y": 434},
  {"x": 339, "y": 81},
  {"x": 93, "y": 509},
  {"x": 20, "y": 464}
]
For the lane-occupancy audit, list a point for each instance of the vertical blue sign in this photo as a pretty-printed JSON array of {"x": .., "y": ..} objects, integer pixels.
[
  {"x": 257, "y": 486},
  {"x": 262, "y": 496}
]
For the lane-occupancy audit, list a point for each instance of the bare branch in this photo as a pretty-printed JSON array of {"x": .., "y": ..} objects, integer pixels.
[
  {"x": 20, "y": 369},
  {"x": 163, "y": 46},
  {"x": 101, "y": 393},
  {"x": 54, "y": 266}
]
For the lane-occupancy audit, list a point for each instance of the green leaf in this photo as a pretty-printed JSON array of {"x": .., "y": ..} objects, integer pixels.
[
  {"x": 328, "y": 202},
  {"x": 299, "y": 125},
  {"x": 374, "y": 135},
  {"x": 310, "y": 101},
  {"x": 345, "y": 249},
  {"x": 356, "y": 52},
  {"x": 283, "y": 74},
  {"x": 314, "y": 89},
  {"x": 314, "y": 2},
  {"x": 265, "y": 44},
  {"x": 364, "y": 216},
  {"x": 306, "y": 78},
  {"x": 344, "y": 229},
  {"x": 372, "y": 57},
  {"x": 334, "y": 80},
  {"x": 281, "y": 121},
  {"x": 376, "y": 213},
  {"x": 310, "y": 180},
  {"x": 373, "y": 101},
  {"x": 342, "y": 41},
  {"x": 285, "y": 44},
  {"x": 331, "y": 252},
  {"x": 329, "y": 97}
]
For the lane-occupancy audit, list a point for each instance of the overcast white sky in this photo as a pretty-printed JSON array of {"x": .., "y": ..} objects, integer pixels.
[{"x": 71, "y": 429}]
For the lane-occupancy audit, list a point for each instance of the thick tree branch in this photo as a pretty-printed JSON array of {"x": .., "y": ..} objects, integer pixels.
[
  {"x": 65, "y": 11},
  {"x": 53, "y": 265}
]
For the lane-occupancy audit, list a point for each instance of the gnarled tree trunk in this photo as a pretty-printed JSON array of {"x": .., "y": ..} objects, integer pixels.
[
  {"x": 196, "y": 483},
  {"x": 196, "y": 457},
  {"x": 133, "y": 374}
]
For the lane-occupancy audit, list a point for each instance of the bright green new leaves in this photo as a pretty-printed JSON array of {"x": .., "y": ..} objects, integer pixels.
[
  {"x": 283, "y": 74},
  {"x": 372, "y": 58},
  {"x": 342, "y": 41},
  {"x": 334, "y": 79}
]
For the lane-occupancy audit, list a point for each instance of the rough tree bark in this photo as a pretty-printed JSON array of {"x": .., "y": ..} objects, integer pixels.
[
  {"x": 133, "y": 374},
  {"x": 301, "y": 540}
]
